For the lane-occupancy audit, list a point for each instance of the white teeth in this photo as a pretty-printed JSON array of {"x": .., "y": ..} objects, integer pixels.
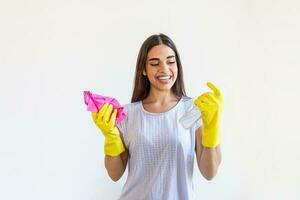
[{"x": 164, "y": 77}]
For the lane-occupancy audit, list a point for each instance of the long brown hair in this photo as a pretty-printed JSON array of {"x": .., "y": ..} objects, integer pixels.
[{"x": 141, "y": 83}]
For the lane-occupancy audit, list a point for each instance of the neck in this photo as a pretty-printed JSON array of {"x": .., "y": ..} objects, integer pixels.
[{"x": 160, "y": 97}]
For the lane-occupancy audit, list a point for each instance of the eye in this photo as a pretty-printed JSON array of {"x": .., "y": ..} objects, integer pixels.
[
  {"x": 152, "y": 64},
  {"x": 172, "y": 62}
]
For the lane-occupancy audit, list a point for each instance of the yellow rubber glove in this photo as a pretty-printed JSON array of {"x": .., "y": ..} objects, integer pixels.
[
  {"x": 210, "y": 105},
  {"x": 105, "y": 120}
]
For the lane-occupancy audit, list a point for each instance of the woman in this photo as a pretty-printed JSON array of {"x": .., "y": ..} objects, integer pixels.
[{"x": 159, "y": 152}]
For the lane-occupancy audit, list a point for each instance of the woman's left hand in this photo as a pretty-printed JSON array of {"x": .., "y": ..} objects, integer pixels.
[{"x": 210, "y": 105}]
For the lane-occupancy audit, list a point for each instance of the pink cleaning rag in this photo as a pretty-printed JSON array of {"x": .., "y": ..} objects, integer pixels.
[{"x": 94, "y": 103}]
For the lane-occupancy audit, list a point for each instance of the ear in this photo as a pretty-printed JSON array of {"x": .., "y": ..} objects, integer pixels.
[{"x": 144, "y": 73}]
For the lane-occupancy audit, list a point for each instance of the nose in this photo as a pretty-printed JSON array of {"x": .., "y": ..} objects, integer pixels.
[{"x": 164, "y": 66}]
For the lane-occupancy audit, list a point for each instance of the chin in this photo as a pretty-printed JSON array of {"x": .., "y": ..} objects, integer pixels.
[{"x": 164, "y": 88}]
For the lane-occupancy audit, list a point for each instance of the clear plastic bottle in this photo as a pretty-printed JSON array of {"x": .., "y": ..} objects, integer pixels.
[{"x": 190, "y": 118}]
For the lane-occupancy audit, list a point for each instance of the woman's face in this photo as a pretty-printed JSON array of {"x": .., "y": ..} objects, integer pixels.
[{"x": 161, "y": 67}]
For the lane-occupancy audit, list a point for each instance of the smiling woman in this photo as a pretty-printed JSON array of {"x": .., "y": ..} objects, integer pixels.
[
  {"x": 157, "y": 149},
  {"x": 158, "y": 56},
  {"x": 161, "y": 68}
]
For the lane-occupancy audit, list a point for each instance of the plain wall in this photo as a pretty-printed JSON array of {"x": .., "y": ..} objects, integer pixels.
[{"x": 51, "y": 51}]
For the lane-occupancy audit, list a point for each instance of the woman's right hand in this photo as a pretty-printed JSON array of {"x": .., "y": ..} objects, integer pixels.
[{"x": 105, "y": 121}]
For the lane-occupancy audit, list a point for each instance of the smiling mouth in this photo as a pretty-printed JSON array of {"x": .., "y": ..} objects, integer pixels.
[{"x": 164, "y": 78}]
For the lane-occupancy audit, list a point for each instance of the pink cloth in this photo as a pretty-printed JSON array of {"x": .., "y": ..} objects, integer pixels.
[{"x": 95, "y": 101}]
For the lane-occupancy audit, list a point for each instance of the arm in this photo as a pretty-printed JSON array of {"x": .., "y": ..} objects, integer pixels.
[
  {"x": 208, "y": 136},
  {"x": 208, "y": 159},
  {"x": 116, "y": 154},
  {"x": 116, "y": 165}
]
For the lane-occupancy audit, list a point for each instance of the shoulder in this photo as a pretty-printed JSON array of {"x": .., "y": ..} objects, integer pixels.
[
  {"x": 186, "y": 99},
  {"x": 130, "y": 107}
]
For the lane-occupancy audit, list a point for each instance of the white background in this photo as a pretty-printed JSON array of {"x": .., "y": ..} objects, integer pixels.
[{"x": 50, "y": 51}]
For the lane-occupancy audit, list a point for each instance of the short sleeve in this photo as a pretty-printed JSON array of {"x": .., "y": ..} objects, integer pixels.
[
  {"x": 198, "y": 123},
  {"x": 123, "y": 126}
]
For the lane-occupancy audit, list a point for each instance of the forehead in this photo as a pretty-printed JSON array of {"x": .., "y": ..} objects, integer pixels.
[{"x": 160, "y": 51}]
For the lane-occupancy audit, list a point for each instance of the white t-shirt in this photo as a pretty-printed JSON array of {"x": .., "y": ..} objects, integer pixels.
[{"x": 161, "y": 153}]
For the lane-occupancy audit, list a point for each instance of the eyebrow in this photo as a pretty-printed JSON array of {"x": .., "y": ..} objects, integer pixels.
[{"x": 158, "y": 58}]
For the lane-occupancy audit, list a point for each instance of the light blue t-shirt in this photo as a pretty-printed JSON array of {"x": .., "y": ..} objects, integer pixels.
[{"x": 161, "y": 153}]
